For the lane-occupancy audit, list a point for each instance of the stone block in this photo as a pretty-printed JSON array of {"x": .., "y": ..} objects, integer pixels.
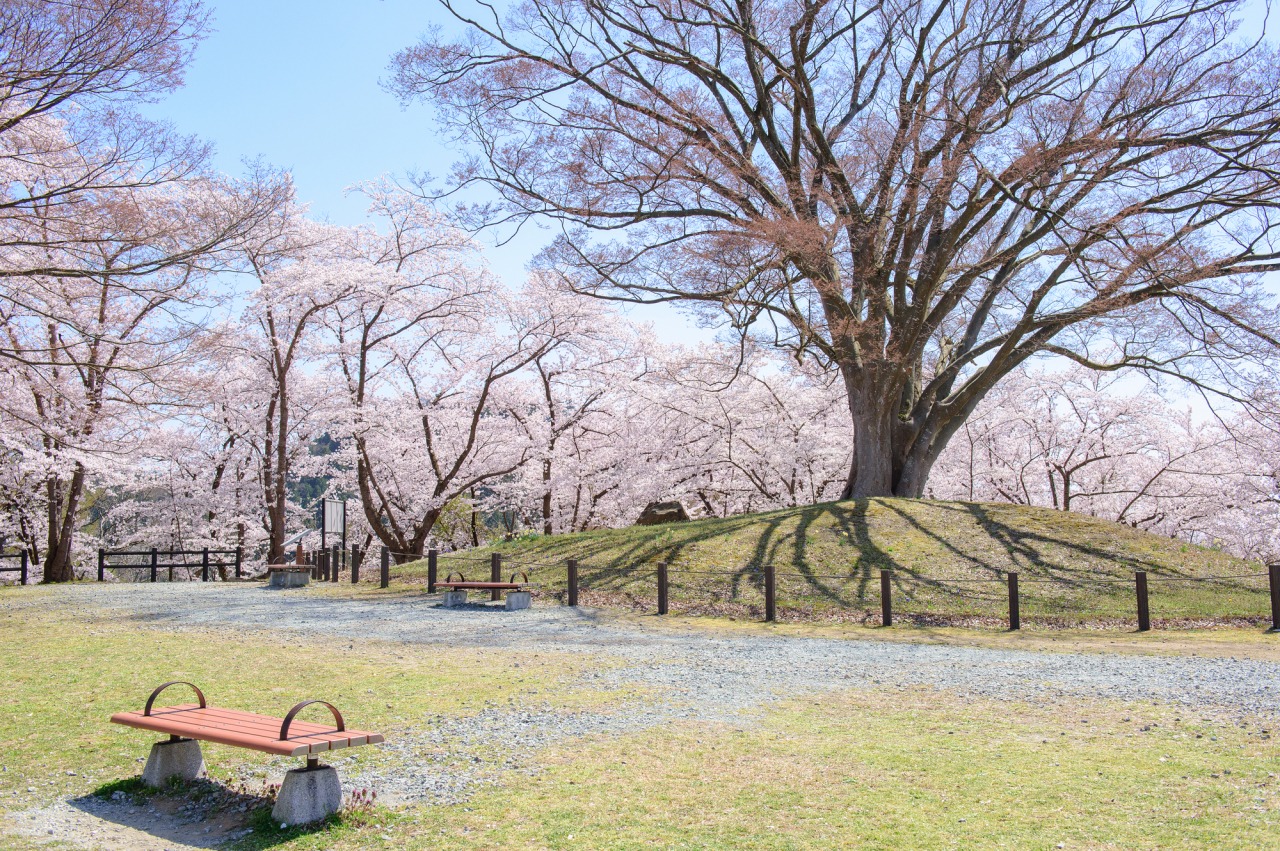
[
  {"x": 519, "y": 600},
  {"x": 657, "y": 513},
  {"x": 291, "y": 578},
  {"x": 181, "y": 759},
  {"x": 307, "y": 795},
  {"x": 454, "y": 598}
]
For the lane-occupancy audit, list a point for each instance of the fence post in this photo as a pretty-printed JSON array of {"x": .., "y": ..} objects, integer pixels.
[
  {"x": 24, "y": 560},
  {"x": 662, "y": 587},
  {"x": 1015, "y": 616},
  {"x": 495, "y": 574},
  {"x": 335, "y": 562},
  {"x": 102, "y": 564},
  {"x": 384, "y": 578},
  {"x": 573, "y": 582},
  {"x": 886, "y": 598},
  {"x": 239, "y": 562},
  {"x": 1144, "y": 611},
  {"x": 356, "y": 555},
  {"x": 155, "y": 563},
  {"x": 770, "y": 594},
  {"x": 204, "y": 565},
  {"x": 433, "y": 566},
  {"x": 1273, "y": 577}
]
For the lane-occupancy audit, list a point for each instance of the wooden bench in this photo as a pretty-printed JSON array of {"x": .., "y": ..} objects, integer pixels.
[
  {"x": 190, "y": 723},
  {"x": 518, "y": 597}
]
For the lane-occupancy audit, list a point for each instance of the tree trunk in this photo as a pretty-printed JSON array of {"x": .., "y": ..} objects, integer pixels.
[
  {"x": 64, "y": 505},
  {"x": 872, "y": 472}
]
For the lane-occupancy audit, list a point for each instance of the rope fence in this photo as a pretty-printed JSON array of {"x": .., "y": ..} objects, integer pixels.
[{"x": 567, "y": 580}]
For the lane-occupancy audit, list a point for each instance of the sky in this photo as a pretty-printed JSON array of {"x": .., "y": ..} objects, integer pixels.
[{"x": 298, "y": 85}]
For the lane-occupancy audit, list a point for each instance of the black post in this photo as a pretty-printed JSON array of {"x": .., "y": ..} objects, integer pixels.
[
  {"x": 356, "y": 555},
  {"x": 573, "y": 582},
  {"x": 495, "y": 574},
  {"x": 385, "y": 578},
  {"x": 770, "y": 594},
  {"x": 886, "y": 598},
  {"x": 433, "y": 567},
  {"x": 1015, "y": 615},
  {"x": 204, "y": 565},
  {"x": 1144, "y": 611},
  {"x": 1273, "y": 576},
  {"x": 662, "y": 587},
  {"x": 335, "y": 563},
  {"x": 155, "y": 562},
  {"x": 239, "y": 561},
  {"x": 24, "y": 561},
  {"x": 102, "y": 564}
]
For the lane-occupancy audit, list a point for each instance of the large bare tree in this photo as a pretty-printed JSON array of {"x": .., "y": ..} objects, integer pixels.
[{"x": 921, "y": 193}]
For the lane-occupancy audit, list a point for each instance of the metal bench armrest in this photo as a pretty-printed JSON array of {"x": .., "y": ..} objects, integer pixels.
[
  {"x": 151, "y": 700},
  {"x": 288, "y": 719}
]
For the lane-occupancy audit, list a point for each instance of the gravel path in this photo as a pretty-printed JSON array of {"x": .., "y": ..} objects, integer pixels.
[
  {"x": 683, "y": 674},
  {"x": 704, "y": 674}
]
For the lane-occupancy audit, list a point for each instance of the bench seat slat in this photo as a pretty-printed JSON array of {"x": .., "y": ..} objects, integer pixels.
[
  {"x": 244, "y": 721},
  {"x": 482, "y": 586},
  {"x": 245, "y": 729}
]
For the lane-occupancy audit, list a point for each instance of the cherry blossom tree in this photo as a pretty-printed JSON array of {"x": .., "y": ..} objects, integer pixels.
[
  {"x": 1080, "y": 441},
  {"x": 298, "y": 268},
  {"x": 923, "y": 196}
]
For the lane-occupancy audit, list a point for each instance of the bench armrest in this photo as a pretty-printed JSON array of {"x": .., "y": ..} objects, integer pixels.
[
  {"x": 151, "y": 700},
  {"x": 520, "y": 573},
  {"x": 288, "y": 719},
  {"x": 458, "y": 574}
]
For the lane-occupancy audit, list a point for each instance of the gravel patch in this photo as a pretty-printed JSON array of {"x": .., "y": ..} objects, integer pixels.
[{"x": 704, "y": 675}]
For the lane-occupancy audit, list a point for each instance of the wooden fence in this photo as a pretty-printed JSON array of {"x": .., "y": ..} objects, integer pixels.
[{"x": 150, "y": 563}]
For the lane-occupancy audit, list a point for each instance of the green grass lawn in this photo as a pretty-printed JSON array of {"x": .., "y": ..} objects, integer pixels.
[
  {"x": 877, "y": 768},
  {"x": 949, "y": 561}
]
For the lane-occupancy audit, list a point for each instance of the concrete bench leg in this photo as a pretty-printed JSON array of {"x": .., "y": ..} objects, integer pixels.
[
  {"x": 179, "y": 758},
  {"x": 307, "y": 795},
  {"x": 454, "y": 598},
  {"x": 518, "y": 600}
]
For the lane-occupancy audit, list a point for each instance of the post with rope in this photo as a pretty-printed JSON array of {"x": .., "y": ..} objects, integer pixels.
[
  {"x": 433, "y": 566},
  {"x": 770, "y": 594},
  {"x": 573, "y": 582},
  {"x": 662, "y": 587},
  {"x": 385, "y": 577},
  {"x": 495, "y": 575},
  {"x": 335, "y": 562},
  {"x": 356, "y": 556},
  {"x": 155, "y": 563},
  {"x": 886, "y": 597},
  {"x": 1144, "y": 609},
  {"x": 102, "y": 564},
  {"x": 1015, "y": 616},
  {"x": 239, "y": 562},
  {"x": 24, "y": 560},
  {"x": 1273, "y": 578}
]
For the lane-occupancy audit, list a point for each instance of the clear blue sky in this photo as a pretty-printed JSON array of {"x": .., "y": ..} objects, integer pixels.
[{"x": 298, "y": 86}]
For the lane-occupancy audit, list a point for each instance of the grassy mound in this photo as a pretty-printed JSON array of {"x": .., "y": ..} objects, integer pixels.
[{"x": 949, "y": 563}]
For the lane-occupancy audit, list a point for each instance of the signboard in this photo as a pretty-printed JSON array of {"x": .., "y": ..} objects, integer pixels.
[{"x": 333, "y": 521}]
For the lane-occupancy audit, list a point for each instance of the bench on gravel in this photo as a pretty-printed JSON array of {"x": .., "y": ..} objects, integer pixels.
[
  {"x": 517, "y": 597},
  {"x": 307, "y": 794}
]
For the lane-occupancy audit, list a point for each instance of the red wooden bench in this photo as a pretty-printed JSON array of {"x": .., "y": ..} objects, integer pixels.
[
  {"x": 463, "y": 584},
  {"x": 285, "y": 736}
]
